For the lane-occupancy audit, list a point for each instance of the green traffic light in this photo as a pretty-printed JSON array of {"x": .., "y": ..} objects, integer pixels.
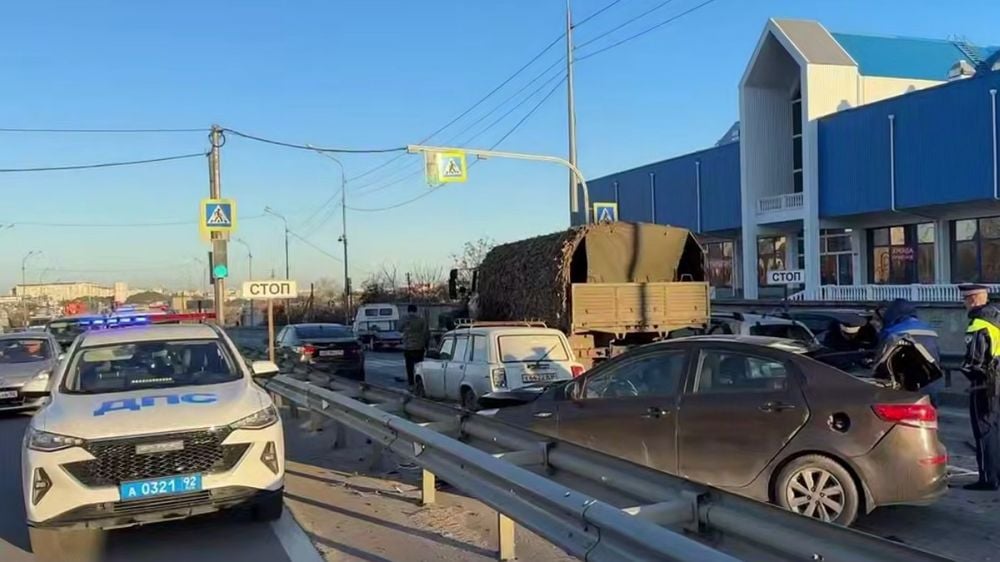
[{"x": 220, "y": 271}]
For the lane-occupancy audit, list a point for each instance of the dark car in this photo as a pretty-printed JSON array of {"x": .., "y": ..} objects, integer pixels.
[
  {"x": 752, "y": 415},
  {"x": 330, "y": 348}
]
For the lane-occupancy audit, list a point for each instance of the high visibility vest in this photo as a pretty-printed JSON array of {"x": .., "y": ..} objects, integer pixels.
[{"x": 992, "y": 331}]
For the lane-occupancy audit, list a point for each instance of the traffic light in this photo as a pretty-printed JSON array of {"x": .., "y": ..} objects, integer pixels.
[{"x": 220, "y": 260}]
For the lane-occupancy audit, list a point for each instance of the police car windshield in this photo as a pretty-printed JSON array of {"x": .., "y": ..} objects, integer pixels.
[{"x": 153, "y": 364}]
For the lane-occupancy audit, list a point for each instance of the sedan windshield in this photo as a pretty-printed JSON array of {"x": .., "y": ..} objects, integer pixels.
[
  {"x": 24, "y": 350},
  {"x": 155, "y": 364}
]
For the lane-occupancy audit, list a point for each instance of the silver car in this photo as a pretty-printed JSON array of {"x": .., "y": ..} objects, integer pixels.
[{"x": 26, "y": 363}]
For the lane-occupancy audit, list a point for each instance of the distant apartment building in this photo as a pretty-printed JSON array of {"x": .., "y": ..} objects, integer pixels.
[{"x": 70, "y": 291}]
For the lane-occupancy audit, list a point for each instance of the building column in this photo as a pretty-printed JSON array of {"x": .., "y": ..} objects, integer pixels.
[
  {"x": 859, "y": 246},
  {"x": 942, "y": 253},
  {"x": 749, "y": 262}
]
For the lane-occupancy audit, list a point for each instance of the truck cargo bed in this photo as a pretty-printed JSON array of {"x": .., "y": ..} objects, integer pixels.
[{"x": 619, "y": 308}]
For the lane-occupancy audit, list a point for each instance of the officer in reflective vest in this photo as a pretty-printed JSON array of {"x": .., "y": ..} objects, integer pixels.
[{"x": 982, "y": 367}]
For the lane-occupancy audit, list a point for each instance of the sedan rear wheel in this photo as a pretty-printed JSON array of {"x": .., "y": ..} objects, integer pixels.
[{"x": 817, "y": 486}]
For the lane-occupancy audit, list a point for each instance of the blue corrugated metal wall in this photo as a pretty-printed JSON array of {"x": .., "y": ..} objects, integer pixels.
[
  {"x": 943, "y": 150},
  {"x": 672, "y": 184}
]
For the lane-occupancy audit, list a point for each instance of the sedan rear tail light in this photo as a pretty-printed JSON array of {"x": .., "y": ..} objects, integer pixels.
[
  {"x": 308, "y": 350},
  {"x": 577, "y": 370},
  {"x": 499, "y": 378},
  {"x": 913, "y": 415}
]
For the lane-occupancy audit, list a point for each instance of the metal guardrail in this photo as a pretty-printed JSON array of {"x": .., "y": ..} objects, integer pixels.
[{"x": 663, "y": 516}]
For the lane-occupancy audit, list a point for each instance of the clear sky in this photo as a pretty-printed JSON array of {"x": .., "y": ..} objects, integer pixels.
[{"x": 364, "y": 74}]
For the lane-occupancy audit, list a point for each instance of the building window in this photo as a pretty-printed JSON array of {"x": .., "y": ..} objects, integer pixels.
[
  {"x": 976, "y": 250},
  {"x": 836, "y": 257},
  {"x": 901, "y": 255},
  {"x": 720, "y": 264},
  {"x": 770, "y": 257},
  {"x": 797, "y": 140}
]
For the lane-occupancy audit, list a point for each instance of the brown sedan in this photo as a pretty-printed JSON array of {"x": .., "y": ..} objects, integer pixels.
[{"x": 751, "y": 415}]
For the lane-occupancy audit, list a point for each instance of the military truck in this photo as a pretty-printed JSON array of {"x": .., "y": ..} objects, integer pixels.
[{"x": 607, "y": 286}]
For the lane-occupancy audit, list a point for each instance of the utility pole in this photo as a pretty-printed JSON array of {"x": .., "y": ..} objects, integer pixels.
[
  {"x": 249, "y": 270},
  {"x": 343, "y": 235},
  {"x": 215, "y": 192},
  {"x": 574, "y": 203},
  {"x": 284, "y": 221},
  {"x": 409, "y": 287}
]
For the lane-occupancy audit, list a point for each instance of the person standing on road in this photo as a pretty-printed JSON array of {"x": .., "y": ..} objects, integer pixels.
[
  {"x": 415, "y": 339},
  {"x": 982, "y": 353}
]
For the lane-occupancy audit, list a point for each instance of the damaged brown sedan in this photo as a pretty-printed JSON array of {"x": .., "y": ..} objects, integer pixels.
[{"x": 756, "y": 416}]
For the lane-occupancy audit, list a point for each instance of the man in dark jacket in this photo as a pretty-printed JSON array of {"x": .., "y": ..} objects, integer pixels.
[
  {"x": 416, "y": 336},
  {"x": 901, "y": 320},
  {"x": 982, "y": 350}
]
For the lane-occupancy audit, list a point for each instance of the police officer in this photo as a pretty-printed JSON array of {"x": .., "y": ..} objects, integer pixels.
[{"x": 982, "y": 353}]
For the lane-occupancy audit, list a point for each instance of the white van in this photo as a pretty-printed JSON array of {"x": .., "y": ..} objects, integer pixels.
[{"x": 377, "y": 326}]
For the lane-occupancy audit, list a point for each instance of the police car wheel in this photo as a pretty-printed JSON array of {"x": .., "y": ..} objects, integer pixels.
[
  {"x": 54, "y": 545},
  {"x": 270, "y": 508}
]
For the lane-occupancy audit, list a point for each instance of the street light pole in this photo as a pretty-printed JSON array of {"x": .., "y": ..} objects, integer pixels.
[
  {"x": 24, "y": 283},
  {"x": 249, "y": 271},
  {"x": 272, "y": 212},
  {"x": 343, "y": 235},
  {"x": 574, "y": 204},
  {"x": 482, "y": 153}
]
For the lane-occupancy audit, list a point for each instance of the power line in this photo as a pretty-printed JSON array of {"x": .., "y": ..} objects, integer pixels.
[
  {"x": 103, "y": 164},
  {"x": 315, "y": 247},
  {"x": 595, "y": 14},
  {"x": 623, "y": 24},
  {"x": 316, "y": 148},
  {"x": 115, "y": 225},
  {"x": 496, "y": 144},
  {"x": 102, "y": 131},
  {"x": 645, "y": 31}
]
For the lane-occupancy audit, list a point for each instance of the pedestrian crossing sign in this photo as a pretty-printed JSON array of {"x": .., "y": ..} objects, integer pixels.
[
  {"x": 218, "y": 215},
  {"x": 605, "y": 212},
  {"x": 451, "y": 167}
]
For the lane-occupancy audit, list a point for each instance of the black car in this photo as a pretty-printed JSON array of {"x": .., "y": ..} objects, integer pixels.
[{"x": 328, "y": 348}]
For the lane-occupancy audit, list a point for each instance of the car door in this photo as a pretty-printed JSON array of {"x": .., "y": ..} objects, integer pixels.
[
  {"x": 477, "y": 368},
  {"x": 738, "y": 410},
  {"x": 432, "y": 369},
  {"x": 454, "y": 371},
  {"x": 627, "y": 408}
]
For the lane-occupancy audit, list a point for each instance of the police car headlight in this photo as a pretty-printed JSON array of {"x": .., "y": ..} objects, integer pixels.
[
  {"x": 48, "y": 442},
  {"x": 258, "y": 420},
  {"x": 43, "y": 376}
]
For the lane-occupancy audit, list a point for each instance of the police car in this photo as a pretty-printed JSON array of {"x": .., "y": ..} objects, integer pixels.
[{"x": 148, "y": 424}]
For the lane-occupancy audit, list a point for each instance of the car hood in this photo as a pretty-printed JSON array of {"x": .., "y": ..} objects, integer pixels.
[
  {"x": 97, "y": 416},
  {"x": 906, "y": 364},
  {"x": 14, "y": 374}
]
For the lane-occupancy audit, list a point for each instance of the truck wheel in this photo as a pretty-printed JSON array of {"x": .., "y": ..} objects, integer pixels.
[
  {"x": 270, "y": 508},
  {"x": 819, "y": 487},
  {"x": 469, "y": 400},
  {"x": 54, "y": 545}
]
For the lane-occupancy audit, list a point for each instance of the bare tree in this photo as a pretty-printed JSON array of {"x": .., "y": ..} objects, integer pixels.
[{"x": 473, "y": 253}]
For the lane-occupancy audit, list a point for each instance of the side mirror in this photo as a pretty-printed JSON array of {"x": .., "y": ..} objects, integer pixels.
[
  {"x": 263, "y": 370},
  {"x": 62, "y": 356}
]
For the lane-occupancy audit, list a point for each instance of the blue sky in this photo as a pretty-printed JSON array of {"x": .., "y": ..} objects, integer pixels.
[{"x": 375, "y": 73}]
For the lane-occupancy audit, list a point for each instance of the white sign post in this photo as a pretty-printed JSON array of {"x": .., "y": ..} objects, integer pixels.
[
  {"x": 270, "y": 290},
  {"x": 786, "y": 277}
]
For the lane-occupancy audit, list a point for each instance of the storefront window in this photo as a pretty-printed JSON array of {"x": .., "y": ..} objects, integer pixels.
[
  {"x": 770, "y": 257},
  {"x": 902, "y": 255},
  {"x": 976, "y": 250},
  {"x": 720, "y": 264},
  {"x": 836, "y": 257}
]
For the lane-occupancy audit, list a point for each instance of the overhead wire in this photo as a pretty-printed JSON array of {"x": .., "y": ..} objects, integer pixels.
[
  {"x": 314, "y": 148},
  {"x": 314, "y": 246},
  {"x": 103, "y": 131},
  {"x": 645, "y": 31},
  {"x": 623, "y": 24},
  {"x": 103, "y": 164},
  {"x": 493, "y": 146},
  {"x": 595, "y": 14}
]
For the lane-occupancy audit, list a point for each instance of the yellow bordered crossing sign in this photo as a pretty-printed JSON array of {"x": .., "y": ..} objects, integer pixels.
[{"x": 217, "y": 215}]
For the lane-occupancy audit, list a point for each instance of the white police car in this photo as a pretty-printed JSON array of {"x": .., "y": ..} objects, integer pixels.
[{"x": 149, "y": 424}]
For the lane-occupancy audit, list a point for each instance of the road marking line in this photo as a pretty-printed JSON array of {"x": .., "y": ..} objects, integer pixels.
[
  {"x": 954, "y": 471},
  {"x": 294, "y": 540}
]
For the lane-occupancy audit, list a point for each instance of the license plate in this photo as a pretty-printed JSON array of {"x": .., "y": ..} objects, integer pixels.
[
  {"x": 5, "y": 394},
  {"x": 331, "y": 353},
  {"x": 538, "y": 377},
  {"x": 166, "y": 486}
]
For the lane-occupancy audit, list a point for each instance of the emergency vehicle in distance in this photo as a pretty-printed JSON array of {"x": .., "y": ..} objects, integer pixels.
[{"x": 146, "y": 424}]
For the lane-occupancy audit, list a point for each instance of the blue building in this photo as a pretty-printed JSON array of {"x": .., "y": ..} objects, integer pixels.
[{"x": 868, "y": 162}]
